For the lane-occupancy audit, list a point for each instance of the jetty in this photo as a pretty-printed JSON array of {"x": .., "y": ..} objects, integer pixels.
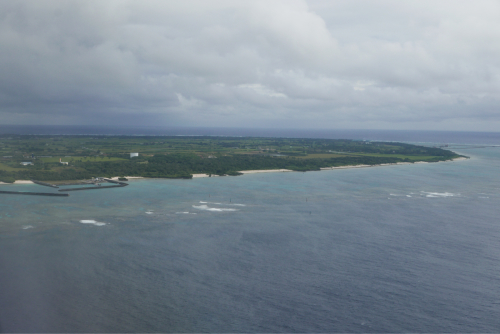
[
  {"x": 93, "y": 188},
  {"x": 31, "y": 193},
  {"x": 44, "y": 184},
  {"x": 117, "y": 184}
]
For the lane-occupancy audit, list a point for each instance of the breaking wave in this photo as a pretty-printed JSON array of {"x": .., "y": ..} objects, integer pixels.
[
  {"x": 26, "y": 227},
  {"x": 92, "y": 222},
  {"x": 445, "y": 194},
  {"x": 235, "y": 204},
  {"x": 207, "y": 208}
]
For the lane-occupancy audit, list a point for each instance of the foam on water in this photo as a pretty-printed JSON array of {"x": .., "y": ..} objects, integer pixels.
[
  {"x": 207, "y": 208},
  {"x": 92, "y": 222},
  {"x": 273, "y": 266},
  {"x": 216, "y": 203},
  {"x": 445, "y": 194}
]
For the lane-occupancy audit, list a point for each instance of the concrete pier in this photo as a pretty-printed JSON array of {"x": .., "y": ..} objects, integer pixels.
[
  {"x": 31, "y": 193},
  {"x": 118, "y": 182},
  {"x": 44, "y": 184},
  {"x": 93, "y": 188}
]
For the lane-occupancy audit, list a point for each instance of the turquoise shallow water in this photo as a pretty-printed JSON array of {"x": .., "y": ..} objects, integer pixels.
[{"x": 380, "y": 249}]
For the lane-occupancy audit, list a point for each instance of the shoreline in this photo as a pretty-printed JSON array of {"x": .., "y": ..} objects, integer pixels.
[
  {"x": 19, "y": 182},
  {"x": 115, "y": 178},
  {"x": 256, "y": 171}
]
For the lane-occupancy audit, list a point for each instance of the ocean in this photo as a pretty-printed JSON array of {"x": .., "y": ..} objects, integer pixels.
[{"x": 406, "y": 248}]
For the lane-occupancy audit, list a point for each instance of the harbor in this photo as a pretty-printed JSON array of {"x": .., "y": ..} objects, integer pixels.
[
  {"x": 95, "y": 181},
  {"x": 32, "y": 193}
]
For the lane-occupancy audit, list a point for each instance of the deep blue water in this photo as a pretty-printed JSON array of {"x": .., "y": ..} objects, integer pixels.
[{"x": 381, "y": 249}]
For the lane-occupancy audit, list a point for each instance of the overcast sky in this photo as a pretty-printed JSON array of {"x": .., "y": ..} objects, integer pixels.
[{"x": 356, "y": 64}]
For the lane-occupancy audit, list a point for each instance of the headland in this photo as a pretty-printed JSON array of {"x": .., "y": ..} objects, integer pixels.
[{"x": 55, "y": 158}]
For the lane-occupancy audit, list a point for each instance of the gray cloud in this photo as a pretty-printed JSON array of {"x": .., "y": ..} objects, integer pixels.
[{"x": 356, "y": 64}]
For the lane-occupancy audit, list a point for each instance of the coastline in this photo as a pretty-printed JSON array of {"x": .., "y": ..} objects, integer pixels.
[
  {"x": 391, "y": 164},
  {"x": 256, "y": 171},
  {"x": 18, "y": 182},
  {"x": 265, "y": 171},
  {"x": 247, "y": 172},
  {"x": 115, "y": 178}
]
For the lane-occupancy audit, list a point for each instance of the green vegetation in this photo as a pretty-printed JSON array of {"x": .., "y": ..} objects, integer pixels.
[
  {"x": 99, "y": 158},
  {"x": 180, "y": 157}
]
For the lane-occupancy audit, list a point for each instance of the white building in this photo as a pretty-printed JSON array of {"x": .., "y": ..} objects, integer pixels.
[{"x": 134, "y": 155}]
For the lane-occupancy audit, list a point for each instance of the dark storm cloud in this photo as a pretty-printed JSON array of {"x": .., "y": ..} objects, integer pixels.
[{"x": 359, "y": 63}]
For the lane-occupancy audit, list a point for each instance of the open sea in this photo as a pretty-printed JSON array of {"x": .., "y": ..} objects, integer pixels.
[{"x": 406, "y": 248}]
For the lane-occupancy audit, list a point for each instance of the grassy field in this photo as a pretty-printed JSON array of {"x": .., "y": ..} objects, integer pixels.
[
  {"x": 321, "y": 156},
  {"x": 82, "y": 159},
  {"x": 7, "y": 168}
]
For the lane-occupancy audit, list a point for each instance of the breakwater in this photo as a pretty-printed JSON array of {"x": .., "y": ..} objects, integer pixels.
[
  {"x": 116, "y": 184},
  {"x": 32, "y": 193},
  {"x": 113, "y": 181},
  {"x": 44, "y": 184},
  {"x": 98, "y": 187}
]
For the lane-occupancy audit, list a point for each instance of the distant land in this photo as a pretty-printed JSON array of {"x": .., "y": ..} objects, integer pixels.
[{"x": 76, "y": 157}]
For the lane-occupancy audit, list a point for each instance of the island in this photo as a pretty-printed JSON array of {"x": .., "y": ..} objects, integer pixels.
[{"x": 67, "y": 157}]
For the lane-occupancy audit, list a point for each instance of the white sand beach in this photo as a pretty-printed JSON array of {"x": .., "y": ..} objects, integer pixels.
[
  {"x": 265, "y": 171},
  {"x": 345, "y": 167},
  {"x": 18, "y": 182},
  {"x": 269, "y": 170}
]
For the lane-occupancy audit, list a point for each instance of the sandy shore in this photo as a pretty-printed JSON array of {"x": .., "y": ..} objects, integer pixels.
[
  {"x": 265, "y": 171},
  {"x": 23, "y": 182},
  {"x": 345, "y": 167},
  {"x": 272, "y": 170},
  {"x": 18, "y": 182},
  {"x": 248, "y": 172},
  {"x": 323, "y": 168}
]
